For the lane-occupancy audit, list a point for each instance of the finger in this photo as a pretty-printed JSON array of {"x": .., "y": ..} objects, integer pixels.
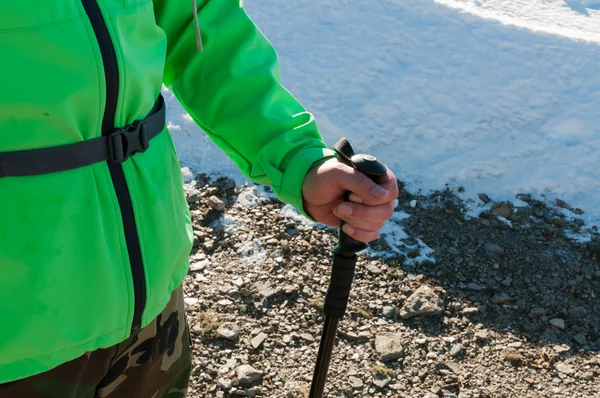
[
  {"x": 360, "y": 234},
  {"x": 372, "y": 214},
  {"x": 364, "y": 190}
]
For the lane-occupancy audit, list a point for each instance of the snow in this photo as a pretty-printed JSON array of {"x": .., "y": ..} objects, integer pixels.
[{"x": 496, "y": 96}]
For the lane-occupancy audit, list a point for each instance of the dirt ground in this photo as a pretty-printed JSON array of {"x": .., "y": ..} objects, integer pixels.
[{"x": 500, "y": 305}]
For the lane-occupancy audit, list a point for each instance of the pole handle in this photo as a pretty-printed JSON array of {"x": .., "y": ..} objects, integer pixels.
[{"x": 344, "y": 261}]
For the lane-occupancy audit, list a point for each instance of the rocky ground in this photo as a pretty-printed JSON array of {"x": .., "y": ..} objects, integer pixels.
[{"x": 443, "y": 305}]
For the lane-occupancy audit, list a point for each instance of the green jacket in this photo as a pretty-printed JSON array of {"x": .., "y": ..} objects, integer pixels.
[{"x": 87, "y": 255}]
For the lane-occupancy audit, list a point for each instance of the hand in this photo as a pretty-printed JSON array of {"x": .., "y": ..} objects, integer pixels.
[{"x": 370, "y": 204}]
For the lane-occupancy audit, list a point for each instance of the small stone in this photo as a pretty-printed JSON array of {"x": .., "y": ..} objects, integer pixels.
[
  {"x": 246, "y": 374},
  {"x": 307, "y": 337},
  {"x": 563, "y": 204},
  {"x": 225, "y": 384},
  {"x": 373, "y": 269},
  {"x": 537, "y": 311},
  {"x": 580, "y": 339},
  {"x": 456, "y": 350},
  {"x": 501, "y": 298},
  {"x": 561, "y": 348},
  {"x": 423, "y": 302},
  {"x": 216, "y": 203},
  {"x": 493, "y": 249},
  {"x": 388, "y": 311},
  {"x": 190, "y": 300},
  {"x": 587, "y": 376},
  {"x": 559, "y": 222},
  {"x": 482, "y": 336},
  {"x": 199, "y": 265},
  {"x": 475, "y": 286},
  {"x": 266, "y": 290},
  {"x": 557, "y": 323},
  {"x": 577, "y": 312},
  {"x": 229, "y": 331},
  {"x": 470, "y": 310},
  {"x": 355, "y": 382},
  {"x": 502, "y": 210},
  {"x": 258, "y": 340},
  {"x": 193, "y": 198},
  {"x": 381, "y": 381},
  {"x": 389, "y": 346},
  {"x": 454, "y": 251},
  {"x": 484, "y": 198},
  {"x": 564, "y": 368},
  {"x": 431, "y": 355},
  {"x": 549, "y": 335}
]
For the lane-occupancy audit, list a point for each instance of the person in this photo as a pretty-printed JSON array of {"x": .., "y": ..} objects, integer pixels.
[{"x": 95, "y": 231}]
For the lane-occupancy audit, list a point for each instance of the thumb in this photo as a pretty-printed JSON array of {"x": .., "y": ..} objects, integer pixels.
[{"x": 362, "y": 188}]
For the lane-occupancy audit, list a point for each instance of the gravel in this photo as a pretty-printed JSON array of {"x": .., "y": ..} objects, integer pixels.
[{"x": 504, "y": 304}]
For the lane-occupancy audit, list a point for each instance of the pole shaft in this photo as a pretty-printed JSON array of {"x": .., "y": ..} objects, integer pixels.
[{"x": 324, "y": 357}]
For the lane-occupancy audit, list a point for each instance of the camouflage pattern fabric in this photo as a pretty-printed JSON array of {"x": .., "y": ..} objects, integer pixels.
[{"x": 155, "y": 363}]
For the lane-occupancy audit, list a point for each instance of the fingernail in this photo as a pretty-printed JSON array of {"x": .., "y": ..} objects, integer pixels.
[
  {"x": 355, "y": 198},
  {"x": 348, "y": 229},
  {"x": 344, "y": 210},
  {"x": 379, "y": 192}
]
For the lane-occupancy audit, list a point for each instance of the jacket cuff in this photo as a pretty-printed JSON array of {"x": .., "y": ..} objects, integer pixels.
[{"x": 290, "y": 190}]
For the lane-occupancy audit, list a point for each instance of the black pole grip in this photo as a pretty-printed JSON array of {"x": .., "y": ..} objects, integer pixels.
[
  {"x": 342, "y": 275},
  {"x": 344, "y": 260}
]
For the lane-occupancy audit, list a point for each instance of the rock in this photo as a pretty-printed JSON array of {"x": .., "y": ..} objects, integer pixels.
[
  {"x": 355, "y": 382},
  {"x": 229, "y": 331},
  {"x": 500, "y": 298},
  {"x": 493, "y": 249},
  {"x": 388, "y": 311},
  {"x": 549, "y": 335},
  {"x": 307, "y": 337},
  {"x": 381, "y": 381},
  {"x": 373, "y": 269},
  {"x": 470, "y": 310},
  {"x": 266, "y": 290},
  {"x": 190, "y": 300},
  {"x": 484, "y": 198},
  {"x": 258, "y": 340},
  {"x": 246, "y": 374},
  {"x": 502, "y": 210},
  {"x": 557, "y": 323},
  {"x": 423, "y": 302},
  {"x": 564, "y": 368},
  {"x": 454, "y": 251},
  {"x": 199, "y": 265},
  {"x": 587, "y": 376},
  {"x": 577, "y": 312},
  {"x": 537, "y": 311},
  {"x": 563, "y": 204},
  {"x": 559, "y": 222},
  {"x": 215, "y": 203},
  {"x": 456, "y": 350},
  {"x": 580, "y": 339},
  {"x": 561, "y": 348},
  {"x": 225, "y": 384},
  {"x": 475, "y": 286},
  {"x": 482, "y": 336},
  {"x": 389, "y": 346}
]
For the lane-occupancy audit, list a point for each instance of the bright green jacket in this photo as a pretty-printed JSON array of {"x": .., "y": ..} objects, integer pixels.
[{"x": 87, "y": 255}]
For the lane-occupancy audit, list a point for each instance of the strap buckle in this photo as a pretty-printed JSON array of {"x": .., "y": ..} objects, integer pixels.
[{"x": 128, "y": 141}]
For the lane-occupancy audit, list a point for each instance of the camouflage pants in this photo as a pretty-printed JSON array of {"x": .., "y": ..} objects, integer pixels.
[{"x": 155, "y": 363}]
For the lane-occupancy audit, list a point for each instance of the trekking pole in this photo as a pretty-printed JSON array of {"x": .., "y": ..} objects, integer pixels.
[{"x": 342, "y": 273}]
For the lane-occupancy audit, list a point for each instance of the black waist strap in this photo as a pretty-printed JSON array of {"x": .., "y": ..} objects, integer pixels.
[{"x": 118, "y": 146}]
